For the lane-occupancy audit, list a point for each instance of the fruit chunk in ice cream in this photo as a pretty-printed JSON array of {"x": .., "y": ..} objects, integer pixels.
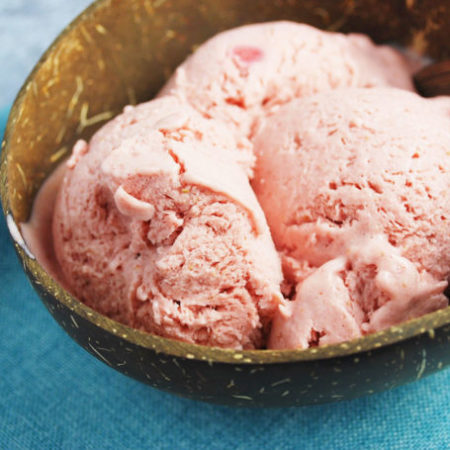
[
  {"x": 354, "y": 184},
  {"x": 243, "y": 73},
  {"x": 157, "y": 226}
]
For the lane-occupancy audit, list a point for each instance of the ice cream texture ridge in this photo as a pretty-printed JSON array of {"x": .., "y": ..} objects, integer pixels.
[{"x": 286, "y": 189}]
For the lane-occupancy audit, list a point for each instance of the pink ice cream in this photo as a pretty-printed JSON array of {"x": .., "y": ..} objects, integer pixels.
[
  {"x": 244, "y": 73},
  {"x": 354, "y": 184},
  {"x": 157, "y": 227}
]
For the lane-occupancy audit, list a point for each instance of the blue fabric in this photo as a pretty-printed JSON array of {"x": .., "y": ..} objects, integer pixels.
[
  {"x": 27, "y": 27},
  {"x": 53, "y": 394}
]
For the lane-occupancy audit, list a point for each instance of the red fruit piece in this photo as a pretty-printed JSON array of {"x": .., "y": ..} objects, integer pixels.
[{"x": 248, "y": 54}]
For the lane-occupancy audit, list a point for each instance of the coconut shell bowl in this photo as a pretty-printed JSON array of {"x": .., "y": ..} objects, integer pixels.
[{"x": 118, "y": 53}]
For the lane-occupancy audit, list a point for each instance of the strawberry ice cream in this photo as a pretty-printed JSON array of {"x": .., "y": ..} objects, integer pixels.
[
  {"x": 354, "y": 184},
  {"x": 243, "y": 73},
  {"x": 157, "y": 227}
]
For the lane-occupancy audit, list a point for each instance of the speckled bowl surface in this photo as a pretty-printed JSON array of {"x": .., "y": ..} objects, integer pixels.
[{"x": 118, "y": 53}]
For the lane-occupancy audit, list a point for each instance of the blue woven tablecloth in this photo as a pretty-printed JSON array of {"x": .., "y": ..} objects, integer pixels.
[{"x": 53, "y": 394}]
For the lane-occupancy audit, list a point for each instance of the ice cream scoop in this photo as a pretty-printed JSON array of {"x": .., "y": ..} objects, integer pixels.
[
  {"x": 157, "y": 227},
  {"x": 354, "y": 184},
  {"x": 244, "y": 73}
]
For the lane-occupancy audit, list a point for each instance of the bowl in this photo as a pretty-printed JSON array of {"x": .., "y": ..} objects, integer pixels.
[{"x": 116, "y": 53}]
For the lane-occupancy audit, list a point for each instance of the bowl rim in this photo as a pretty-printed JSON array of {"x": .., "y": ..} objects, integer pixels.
[{"x": 170, "y": 347}]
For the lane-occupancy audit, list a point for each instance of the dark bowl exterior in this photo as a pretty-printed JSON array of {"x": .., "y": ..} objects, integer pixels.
[
  {"x": 258, "y": 378},
  {"x": 121, "y": 52}
]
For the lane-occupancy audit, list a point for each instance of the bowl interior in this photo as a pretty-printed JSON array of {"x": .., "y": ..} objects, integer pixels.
[{"x": 119, "y": 53}]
